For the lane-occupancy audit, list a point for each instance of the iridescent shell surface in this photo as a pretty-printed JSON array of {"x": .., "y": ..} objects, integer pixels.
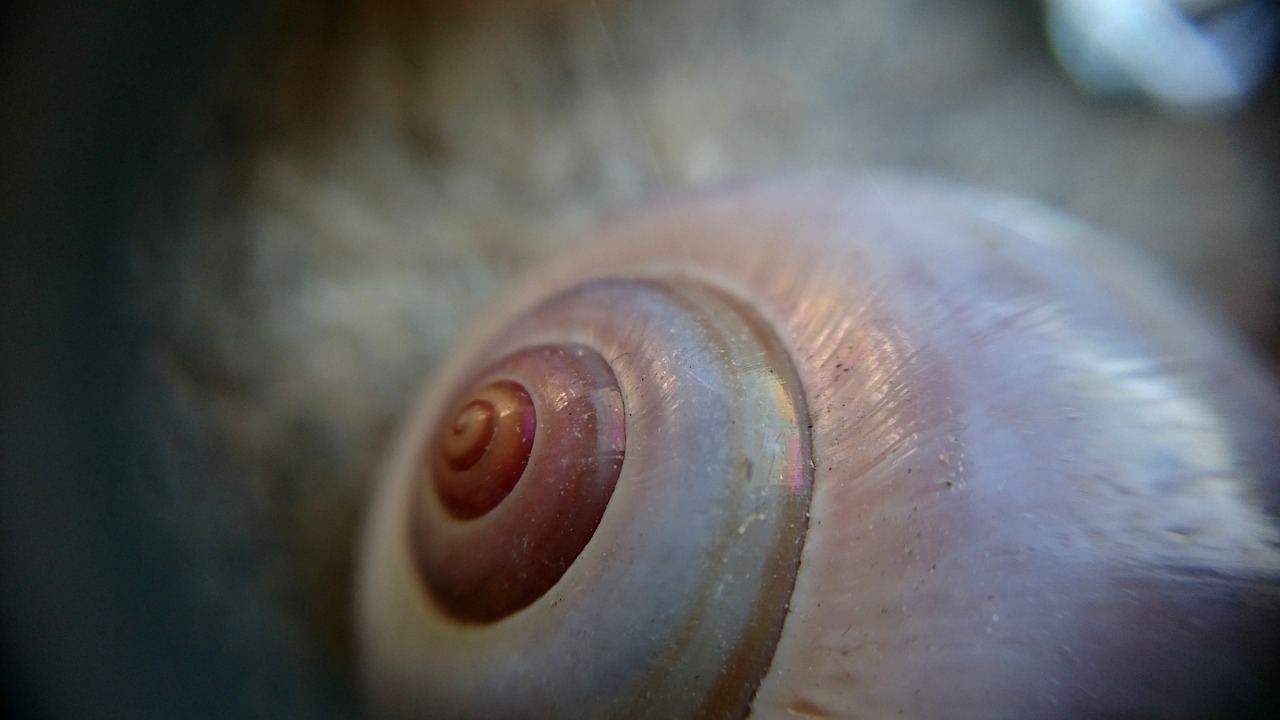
[{"x": 962, "y": 457}]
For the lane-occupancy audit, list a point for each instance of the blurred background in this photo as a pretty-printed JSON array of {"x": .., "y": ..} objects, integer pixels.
[{"x": 238, "y": 236}]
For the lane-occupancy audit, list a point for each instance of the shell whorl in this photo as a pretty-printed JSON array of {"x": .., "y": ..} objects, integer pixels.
[
  {"x": 619, "y": 502},
  {"x": 888, "y": 447},
  {"x": 520, "y": 480}
]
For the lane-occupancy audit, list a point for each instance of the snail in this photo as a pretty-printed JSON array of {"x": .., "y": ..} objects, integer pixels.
[{"x": 828, "y": 446}]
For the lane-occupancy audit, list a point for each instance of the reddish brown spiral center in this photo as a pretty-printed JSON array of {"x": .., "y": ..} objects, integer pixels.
[
  {"x": 484, "y": 450},
  {"x": 518, "y": 475}
]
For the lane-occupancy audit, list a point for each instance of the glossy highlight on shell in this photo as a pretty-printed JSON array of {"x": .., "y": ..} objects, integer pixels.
[{"x": 833, "y": 447}]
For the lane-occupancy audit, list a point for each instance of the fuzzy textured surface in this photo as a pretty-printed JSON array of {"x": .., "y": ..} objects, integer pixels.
[{"x": 372, "y": 173}]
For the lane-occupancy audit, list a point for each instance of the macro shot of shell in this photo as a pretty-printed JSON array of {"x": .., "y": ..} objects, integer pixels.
[
  {"x": 639, "y": 358},
  {"x": 884, "y": 447}
]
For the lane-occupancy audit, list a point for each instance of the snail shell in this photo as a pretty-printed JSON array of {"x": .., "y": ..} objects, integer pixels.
[{"x": 832, "y": 447}]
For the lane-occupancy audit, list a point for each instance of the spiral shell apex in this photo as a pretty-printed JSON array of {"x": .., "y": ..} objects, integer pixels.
[
  {"x": 832, "y": 447},
  {"x": 559, "y": 451}
]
